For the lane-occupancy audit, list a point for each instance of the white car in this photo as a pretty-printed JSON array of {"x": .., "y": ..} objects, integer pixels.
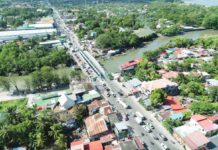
[
  {"x": 147, "y": 129},
  {"x": 164, "y": 146}
]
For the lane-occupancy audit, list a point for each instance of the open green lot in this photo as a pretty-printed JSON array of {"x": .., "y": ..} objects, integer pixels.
[{"x": 6, "y": 104}]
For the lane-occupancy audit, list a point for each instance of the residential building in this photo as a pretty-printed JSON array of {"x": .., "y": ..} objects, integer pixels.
[
  {"x": 187, "y": 134},
  {"x": 211, "y": 82},
  {"x": 81, "y": 145},
  {"x": 174, "y": 104},
  {"x": 204, "y": 125},
  {"x": 94, "y": 106},
  {"x": 149, "y": 86},
  {"x": 96, "y": 126},
  {"x": 114, "y": 117},
  {"x": 128, "y": 145},
  {"x": 65, "y": 102},
  {"x": 90, "y": 96},
  {"x": 121, "y": 130},
  {"x": 168, "y": 74},
  {"x": 108, "y": 138},
  {"x": 133, "y": 86},
  {"x": 130, "y": 65},
  {"x": 196, "y": 141}
]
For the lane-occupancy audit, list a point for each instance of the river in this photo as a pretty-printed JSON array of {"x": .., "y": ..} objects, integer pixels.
[
  {"x": 203, "y": 2},
  {"x": 112, "y": 64}
]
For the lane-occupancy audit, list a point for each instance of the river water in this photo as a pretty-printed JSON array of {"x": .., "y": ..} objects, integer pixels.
[
  {"x": 112, "y": 64},
  {"x": 203, "y": 2}
]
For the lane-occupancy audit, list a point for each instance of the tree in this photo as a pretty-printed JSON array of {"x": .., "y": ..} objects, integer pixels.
[
  {"x": 187, "y": 115},
  {"x": 169, "y": 124},
  {"x": 172, "y": 30},
  {"x": 213, "y": 93},
  {"x": 157, "y": 96},
  {"x": 5, "y": 83},
  {"x": 202, "y": 107},
  {"x": 80, "y": 112},
  {"x": 192, "y": 89}
]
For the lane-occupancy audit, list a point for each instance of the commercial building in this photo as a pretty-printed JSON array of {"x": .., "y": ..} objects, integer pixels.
[{"x": 12, "y": 35}]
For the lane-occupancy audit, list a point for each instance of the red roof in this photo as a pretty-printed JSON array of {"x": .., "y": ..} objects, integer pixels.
[
  {"x": 195, "y": 143},
  {"x": 135, "y": 90},
  {"x": 174, "y": 104},
  {"x": 107, "y": 138},
  {"x": 213, "y": 118},
  {"x": 130, "y": 63},
  {"x": 96, "y": 145},
  {"x": 208, "y": 125},
  {"x": 178, "y": 51},
  {"x": 139, "y": 143},
  {"x": 198, "y": 117}
]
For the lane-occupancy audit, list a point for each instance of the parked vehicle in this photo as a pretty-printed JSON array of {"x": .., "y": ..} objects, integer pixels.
[
  {"x": 147, "y": 129},
  {"x": 163, "y": 137},
  {"x": 164, "y": 146},
  {"x": 138, "y": 120},
  {"x": 138, "y": 114}
]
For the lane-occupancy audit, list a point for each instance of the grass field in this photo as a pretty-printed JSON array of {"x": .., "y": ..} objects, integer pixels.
[
  {"x": 6, "y": 104},
  {"x": 20, "y": 80}
]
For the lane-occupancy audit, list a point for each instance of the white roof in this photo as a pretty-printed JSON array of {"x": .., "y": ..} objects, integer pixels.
[
  {"x": 121, "y": 126},
  {"x": 212, "y": 82},
  {"x": 157, "y": 84},
  {"x": 49, "y": 42},
  {"x": 133, "y": 83},
  {"x": 185, "y": 130},
  {"x": 42, "y": 25},
  {"x": 65, "y": 101},
  {"x": 24, "y": 32}
]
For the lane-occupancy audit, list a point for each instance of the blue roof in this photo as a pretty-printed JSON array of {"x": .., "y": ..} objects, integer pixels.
[{"x": 176, "y": 116}]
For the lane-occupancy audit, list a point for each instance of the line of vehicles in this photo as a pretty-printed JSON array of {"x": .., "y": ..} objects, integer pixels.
[{"x": 149, "y": 127}]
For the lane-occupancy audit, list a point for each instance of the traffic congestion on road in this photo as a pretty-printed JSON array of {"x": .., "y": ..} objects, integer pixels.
[{"x": 141, "y": 122}]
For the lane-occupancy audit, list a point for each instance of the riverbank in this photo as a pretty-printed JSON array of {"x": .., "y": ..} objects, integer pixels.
[{"x": 112, "y": 64}]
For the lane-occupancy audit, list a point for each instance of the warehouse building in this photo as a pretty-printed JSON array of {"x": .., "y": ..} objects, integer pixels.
[{"x": 12, "y": 35}]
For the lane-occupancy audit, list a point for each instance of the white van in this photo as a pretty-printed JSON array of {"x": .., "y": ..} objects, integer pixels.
[{"x": 138, "y": 114}]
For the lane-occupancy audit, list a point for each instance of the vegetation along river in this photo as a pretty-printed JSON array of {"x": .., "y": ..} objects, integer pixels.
[{"x": 112, "y": 64}]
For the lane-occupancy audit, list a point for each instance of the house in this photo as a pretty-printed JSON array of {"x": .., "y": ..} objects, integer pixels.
[
  {"x": 194, "y": 143},
  {"x": 187, "y": 134},
  {"x": 149, "y": 86},
  {"x": 106, "y": 110},
  {"x": 204, "y": 125},
  {"x": 94, "y": 107},
  {"x": 91, "y": 95},
  {"x": 65, "y": 102},
  {"x": 121, "y": 130},
  {"x": 174, "y": 104},
  {"x": 211, "y": 82},
  {"x": 177, "y": 116},
  {"x": 108, "y": 138},
  {"x": 133, "y": 86},
  {"x": 96, "y": 126},
  {"x": 70, "y": 123},
  {"x": 128, "y": 145},
  {"x": 168, "y": 74},
  {"x": 114, "y": 117},
  {"x": 81, "y": 145},
  {"x": 112, "y": 147},
  {"x": 130, "y": 65},
  {"x": 139, "y": 143}
]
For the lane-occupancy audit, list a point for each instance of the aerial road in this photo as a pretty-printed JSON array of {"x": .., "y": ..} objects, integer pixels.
[{"x": 92, "y": 69}]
